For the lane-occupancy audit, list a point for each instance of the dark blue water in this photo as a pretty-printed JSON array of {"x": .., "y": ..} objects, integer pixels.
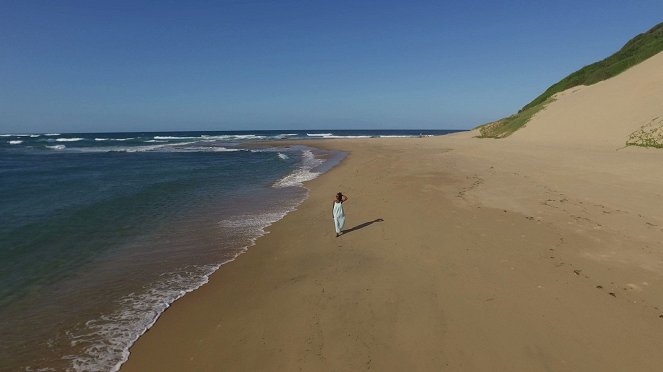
[{"x": 99, "y": 233}]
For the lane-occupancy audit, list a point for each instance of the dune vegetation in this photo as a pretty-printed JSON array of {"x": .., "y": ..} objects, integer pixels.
[
  {"x": 632, "y": 53},
  {"x": 649, "y": 135}
]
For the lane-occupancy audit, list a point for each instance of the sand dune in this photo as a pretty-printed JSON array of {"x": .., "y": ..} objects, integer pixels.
[{"x": 603, "y": 114}]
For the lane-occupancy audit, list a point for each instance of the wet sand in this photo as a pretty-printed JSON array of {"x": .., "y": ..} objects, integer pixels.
[{"x": 461, "y": 254}]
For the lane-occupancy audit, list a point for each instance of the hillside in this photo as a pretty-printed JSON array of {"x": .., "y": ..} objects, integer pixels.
[
  {"x": 637, "y": 50},
  {"x": 624, "y": 110}
]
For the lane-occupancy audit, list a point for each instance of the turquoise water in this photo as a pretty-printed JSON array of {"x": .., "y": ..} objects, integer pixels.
[{"x": 100, "y": 233}]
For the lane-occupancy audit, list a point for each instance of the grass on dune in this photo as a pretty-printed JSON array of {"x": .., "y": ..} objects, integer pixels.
[
  {"x": 649, "y": 135},
  {"x": 635, "y": 51},
  {"x": 505, "y": 127}
]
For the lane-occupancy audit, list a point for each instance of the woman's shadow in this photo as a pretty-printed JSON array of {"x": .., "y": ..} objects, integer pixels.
[{"x": 365, "y": 224}]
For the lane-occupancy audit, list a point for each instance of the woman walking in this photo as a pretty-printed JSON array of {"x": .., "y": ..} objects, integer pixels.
[{"x": 339, "y": 214}]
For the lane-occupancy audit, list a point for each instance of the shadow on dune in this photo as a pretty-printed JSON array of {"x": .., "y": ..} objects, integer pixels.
[{"x": 361, "y": 226}]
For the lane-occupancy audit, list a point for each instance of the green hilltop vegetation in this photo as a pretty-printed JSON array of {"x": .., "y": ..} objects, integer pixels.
[{"x": 635, "y": 51}]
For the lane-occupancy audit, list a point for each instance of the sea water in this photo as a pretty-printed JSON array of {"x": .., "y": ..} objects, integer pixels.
[{"x": 100, "y": 233}]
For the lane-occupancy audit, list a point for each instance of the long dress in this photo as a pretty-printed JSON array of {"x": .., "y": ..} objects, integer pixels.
[{"x": 339, "y": 217}]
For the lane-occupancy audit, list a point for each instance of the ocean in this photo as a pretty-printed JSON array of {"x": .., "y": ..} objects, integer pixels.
[{"x": 101, "y": 232}]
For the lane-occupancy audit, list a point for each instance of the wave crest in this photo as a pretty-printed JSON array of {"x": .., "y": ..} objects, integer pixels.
[
  {"x": 75, "y": 139},
  {"x": 303, "y": 173}
]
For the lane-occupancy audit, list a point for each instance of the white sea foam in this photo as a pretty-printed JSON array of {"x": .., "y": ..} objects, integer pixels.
[
  {"x": 331, "y": 135},
  {"x": 396, "y": 136},
  {"x": 107, "y": 339},
  {"x": 285, "y": 135},
  {"x": 172, "y": 147},
  {"x": 173, "y": 138},
  {"x": 51, "y": 134},
  {"x": 208, "y": 137},
  {"x": 35, "y": 135},
  {"x": 253, "y": 222},
  {"x": 153, "y": 141},
  {"x": 15, "y": 142},
  {"x": 347, "y": 137},
  {"x": 283, "y": 156},
  {"x": 248, "y": 136},
  {"x": 123, "y": 148},
  {"x": 303, "y": 173},
  {"x": 200, "y": 149},
  {"x": 57, "y": 147},
  {"x": 201, "y": 137},
  {"x": 255, "y": 225},
  {"x": 6, "y": 135},
  {"x": 113, "y": 139},
  {"x": 231, "y": 137},
  {"x": 225, "y": 149},
  {"x": 74, "y": 139},
  {"x": 164, "y": 147}
]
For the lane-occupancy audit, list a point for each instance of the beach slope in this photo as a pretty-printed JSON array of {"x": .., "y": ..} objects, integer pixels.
[
  {"x": 460, "y": 254},
  {"x": 603, "y": 114}
]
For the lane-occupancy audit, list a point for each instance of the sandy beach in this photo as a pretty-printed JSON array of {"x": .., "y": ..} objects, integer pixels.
[
  {"x": 539, "y": 252},
  {"x": 169, "y": 171},
  {"x": 461, "y": 254}
]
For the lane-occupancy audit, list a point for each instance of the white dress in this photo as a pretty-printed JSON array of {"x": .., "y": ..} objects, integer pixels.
[{"x": 339, "y": 217}]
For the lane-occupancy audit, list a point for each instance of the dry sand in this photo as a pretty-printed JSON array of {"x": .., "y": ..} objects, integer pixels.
[
  {"x": 603, "y": 114},
  {"x": 490, "y": 256},
  {"x": 540, "y": 252}
]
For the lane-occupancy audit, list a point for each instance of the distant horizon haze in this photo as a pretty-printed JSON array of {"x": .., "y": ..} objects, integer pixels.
[{"x": 147, "y": 66}]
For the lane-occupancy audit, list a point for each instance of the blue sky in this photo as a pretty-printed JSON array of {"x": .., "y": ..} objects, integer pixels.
[{"x": 90, "y": 66}]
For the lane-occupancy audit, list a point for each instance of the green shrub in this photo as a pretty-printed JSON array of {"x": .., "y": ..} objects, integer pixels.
[{"x": 649, "y": 135}]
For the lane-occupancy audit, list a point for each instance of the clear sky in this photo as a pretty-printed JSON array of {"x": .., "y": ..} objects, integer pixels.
[{"x": 90, "y": 66}]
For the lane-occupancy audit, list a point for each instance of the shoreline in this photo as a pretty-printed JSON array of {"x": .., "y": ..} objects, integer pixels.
[
  {"x": 293, "y": 179},
  {"x": 335, "y": 156},
  {"x": 453, "y": 277}
]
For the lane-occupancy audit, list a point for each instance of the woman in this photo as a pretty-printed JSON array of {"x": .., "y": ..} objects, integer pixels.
[{"x": 339, "y": 215}]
